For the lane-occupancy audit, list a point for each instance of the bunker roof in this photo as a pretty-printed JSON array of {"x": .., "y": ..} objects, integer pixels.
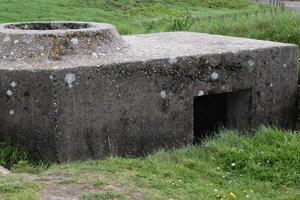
[{"x": 60, "y": 45}]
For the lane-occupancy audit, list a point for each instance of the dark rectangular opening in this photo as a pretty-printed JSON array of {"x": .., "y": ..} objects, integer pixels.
[{"x": 217, "y": 111}]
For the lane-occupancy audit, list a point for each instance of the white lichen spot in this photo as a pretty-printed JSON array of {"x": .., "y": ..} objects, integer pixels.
[
  {"x": 51, "y": 77},
  {"x": 74, "y": 41},
  {"x": 13, "y": 84},
  {"x": 95, "y": 55},
  {"x": 200, "y": 93},
  {"x": 27, "y": 40},
  {"x": 284, "y": 65},
  {"x": 173, "y": 60},
  {"x": 271, "y": 85},
  {"x": 70, "y": 79},
  {"x": 11, "y": 53},
  {"x": 9, "y": 92},
  {"x": 16, "y": 41},
  {"x": 251, "y": 62},
  {"x": 6, "y": 39},
  {"x": 12, "y": 112},
  {"x": 118, "y": 48},
  {"x": 214, "y": 76},
  {"x": 4, "y": 57},
  {"x": 163, "y": 94}
]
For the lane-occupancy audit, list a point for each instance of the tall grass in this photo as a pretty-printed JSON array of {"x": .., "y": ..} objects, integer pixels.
[
  {"x": 280, "y": 27},
  {"x": 10, "y": 154}
]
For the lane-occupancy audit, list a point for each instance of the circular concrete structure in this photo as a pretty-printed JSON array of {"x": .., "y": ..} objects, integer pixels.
[{"x": 53, "y": 40}]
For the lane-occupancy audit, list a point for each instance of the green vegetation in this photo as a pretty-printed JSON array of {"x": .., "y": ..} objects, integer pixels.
[
  {"x": 102, "y": 196},
  {"x": 283, "y": 27},
  {"x": 264, "y": 164},
  {"x": 10, "y": 155},
  {"x": 144, "y": 16},
  {"x": 130, "y": 16}
]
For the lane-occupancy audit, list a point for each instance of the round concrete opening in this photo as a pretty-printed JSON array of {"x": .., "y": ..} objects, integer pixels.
[
  {"x": 48, "y": 26},
  {"x": 57, "y": 40}
]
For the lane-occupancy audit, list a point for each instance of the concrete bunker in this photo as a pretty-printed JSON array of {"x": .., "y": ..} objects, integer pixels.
[
  {"x": 78, "y": 90},
  {"x": 213, "y": 112}
]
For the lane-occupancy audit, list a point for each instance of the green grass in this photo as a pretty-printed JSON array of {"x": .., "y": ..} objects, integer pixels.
[
  {"x": 130, "y": 16},
  {"x": 263, "y": 164},
  {"x": 103, "y": 196},
  {"x": 10, "y": 155},
  {"x": 144, "y": 16},
  {"x": 282, "y": 27}
]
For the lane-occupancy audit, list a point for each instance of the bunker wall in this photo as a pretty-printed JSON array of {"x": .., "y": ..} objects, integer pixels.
[{"x": 135, "y": 108}]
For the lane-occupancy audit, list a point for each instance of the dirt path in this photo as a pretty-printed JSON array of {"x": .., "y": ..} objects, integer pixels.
[{"x": 61, "y": 187}]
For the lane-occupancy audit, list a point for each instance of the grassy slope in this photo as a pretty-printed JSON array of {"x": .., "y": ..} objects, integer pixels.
[
  {"x": 129, "y": 16},
  {"x": 264, "y": 166},
  {"x": 283, "y": 27},
  {"x": 142, "y": 16}
]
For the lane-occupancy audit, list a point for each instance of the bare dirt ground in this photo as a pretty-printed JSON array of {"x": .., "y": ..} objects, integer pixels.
[
  {"x": 56, "y": 188},
  {"x": 56, "y": 191}
]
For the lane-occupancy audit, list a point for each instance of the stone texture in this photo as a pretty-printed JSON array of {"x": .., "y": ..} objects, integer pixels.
[
  {"x": 4, "y": 171},
  {"x": 90, "y": 93}
]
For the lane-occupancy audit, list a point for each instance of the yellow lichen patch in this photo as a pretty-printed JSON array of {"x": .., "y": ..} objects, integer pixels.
[{"x": 60, "y": 47}]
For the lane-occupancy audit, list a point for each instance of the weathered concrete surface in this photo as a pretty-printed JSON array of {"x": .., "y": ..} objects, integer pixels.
[
  {"x": 78, "y": 96},
  {"x": 4, "y": 171}
]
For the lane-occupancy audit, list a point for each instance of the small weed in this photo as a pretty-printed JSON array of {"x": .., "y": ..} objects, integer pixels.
[
  {"x": 98, "y": 183},
  {"x": 182, "y": 22},
  {"x": 68, "y": 181},
  {"x": 24, "y": 166},
  {"x": 103, "y": 196}
]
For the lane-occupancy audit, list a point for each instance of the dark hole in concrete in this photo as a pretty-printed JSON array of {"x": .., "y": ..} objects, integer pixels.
[
  {"x": 218, "y": 111},
  {"x": 210, "y": 113},
  {"x": 48, "y": 26},
  {"x": 26, "y": 94}
]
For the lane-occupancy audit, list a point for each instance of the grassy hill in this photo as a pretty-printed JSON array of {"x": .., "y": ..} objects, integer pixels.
[
  {"x": 144, "y": 16},
  {"x": 129, "y": 16}
]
